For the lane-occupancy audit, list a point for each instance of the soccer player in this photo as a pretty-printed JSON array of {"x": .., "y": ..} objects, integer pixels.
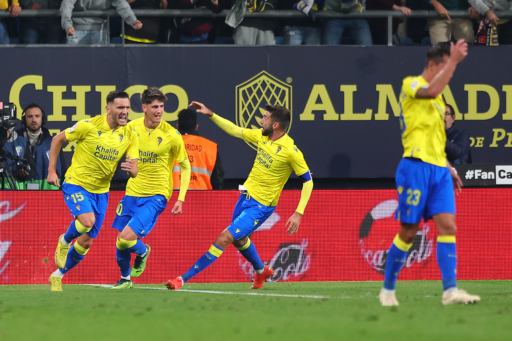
[
  {"x": 276, "y": 157},
  {"x": 147, "y": 195},
  {"x": 424, "y": 178},
  {"x": 102, "y": 142}
]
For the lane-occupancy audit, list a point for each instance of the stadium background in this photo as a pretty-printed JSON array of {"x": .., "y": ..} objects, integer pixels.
[
  {"x": 341, "y": 80},
  {"x": 329, "y": 90}
]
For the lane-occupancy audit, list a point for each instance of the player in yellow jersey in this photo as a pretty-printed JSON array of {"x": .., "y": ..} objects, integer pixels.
[
  {"x": 425, "y": 180},
  {"x": 146, "y": 195},
  {"x": 101, "y": 143},
  {"x": 276, "y": 157}
]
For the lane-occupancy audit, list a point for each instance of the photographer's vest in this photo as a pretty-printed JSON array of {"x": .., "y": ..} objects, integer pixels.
[{"x": 202, "y": 154}]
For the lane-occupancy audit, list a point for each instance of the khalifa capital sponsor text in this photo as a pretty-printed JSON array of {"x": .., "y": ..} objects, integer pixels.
[
  {"x": 376, "y": 234},
  {"x": 6, "y": 214},
  {"x": 290, "y": 261}
]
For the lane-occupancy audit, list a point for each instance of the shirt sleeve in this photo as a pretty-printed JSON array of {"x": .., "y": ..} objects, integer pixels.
[
  {"x": 133, "y": 147},
  {"x": 66, "y": 10},
  {"x": 252, "y": 135},
  {"x": 78, "y": 131},
  {"x": 178, "y": 148},
  {"x": 297, "y": 162},
  {"x": 411, "y": 85}
]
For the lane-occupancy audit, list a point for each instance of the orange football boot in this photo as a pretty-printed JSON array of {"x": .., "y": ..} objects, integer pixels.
[
  {"x": 174, "y": 284},
  {"x": 259, "y": 279}
]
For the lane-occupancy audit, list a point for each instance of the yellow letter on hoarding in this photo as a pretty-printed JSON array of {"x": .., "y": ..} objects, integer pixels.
[
  {"x": 348, "y": 101},
  {"x": 494, "y": 99},
  {"x": 14, "y": 95},
  {"x": 386, "y": 94},
  {"x": 325, "y": 105}
]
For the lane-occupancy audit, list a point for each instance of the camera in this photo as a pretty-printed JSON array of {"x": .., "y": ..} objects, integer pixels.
[{"x": 7, "y": 119}]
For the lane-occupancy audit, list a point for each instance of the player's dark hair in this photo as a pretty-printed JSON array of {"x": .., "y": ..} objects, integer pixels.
[
  {"x": 452, "y": 112},
  {"x": 279, "y": 114},
  {"x": 187, "y": 121},
  {"x": 116, "y": 94},
  {"x": 151, "y": 94},
  {"x": 437, "y": 53}
]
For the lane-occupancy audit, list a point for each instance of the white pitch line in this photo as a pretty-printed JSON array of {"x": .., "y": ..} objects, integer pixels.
[{"x": 224, "y": 292}]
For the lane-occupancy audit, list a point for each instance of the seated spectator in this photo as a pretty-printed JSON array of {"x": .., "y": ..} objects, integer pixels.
[
  {"x": 457, "y": 140},
  {"x": 150, "y": 30},
  {"x": 44, "y": 30},
  {"x": 333, "y": 28},
  {"x": 207, "y": 171},
  {"x": 92, "y": 30},
  {"x": 486, "y": 8},
  {"x": 37, "y": 149},
  {"x": 195, "y": 30},
  {"x": 379, "y": 26},
  {"x": 15, "y": 10},
  {"x": 444, "y": 28},
  {"x": 304, "y": 31}
]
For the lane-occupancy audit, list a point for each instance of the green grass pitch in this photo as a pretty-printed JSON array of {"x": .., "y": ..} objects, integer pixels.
[{"x": 280, "y": 311}]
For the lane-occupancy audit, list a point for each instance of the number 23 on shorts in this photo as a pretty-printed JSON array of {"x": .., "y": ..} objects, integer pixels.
[{"x": 413, "y": 197}]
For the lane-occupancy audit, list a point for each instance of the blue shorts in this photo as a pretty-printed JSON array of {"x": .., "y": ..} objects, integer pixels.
[
  {"x": 140, "y": 213},
  {"x": 248, "y": 216},
  {"x": 424, "y": 190},
  {"x": 79, "y": 201}
]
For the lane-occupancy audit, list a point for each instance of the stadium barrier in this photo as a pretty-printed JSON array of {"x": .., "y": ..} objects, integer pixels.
[
  {"x": 266, "y": 14},
  {"x": 344, "y": 236}
]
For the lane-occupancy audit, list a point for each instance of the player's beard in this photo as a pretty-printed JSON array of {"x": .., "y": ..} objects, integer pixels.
[{"x": 267, "y": 131}]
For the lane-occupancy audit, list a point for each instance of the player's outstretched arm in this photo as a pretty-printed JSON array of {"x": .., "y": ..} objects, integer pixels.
[
  {"x": 56, "y": 146},
  {"x": 130, "y": 166},
  {"x": 226, "y": 125},
  {"x": 186, "y": 172},
  {"x": 294, "y": 221},
  {"x": 458, "y": 52},
  {"x": 457, "y": 182}
]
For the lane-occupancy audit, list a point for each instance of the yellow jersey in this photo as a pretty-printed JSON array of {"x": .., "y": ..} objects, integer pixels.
[
  {"x": 272, "y": 167},
  {"x": 422, "y": 123},
  {"x": 98, "y": 152},
  {"x": 158, "y": 149}
]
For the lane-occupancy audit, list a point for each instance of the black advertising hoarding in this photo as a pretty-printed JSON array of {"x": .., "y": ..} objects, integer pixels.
[
  {"x": 476, "y": 175},
  {"x": 343, "y": 99}
]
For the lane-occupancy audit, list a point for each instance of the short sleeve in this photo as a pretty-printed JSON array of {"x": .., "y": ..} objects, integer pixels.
[
  {"x": 78, "y": 131},
  {"x": 411, "y": 85},
  {"x": 133, "y": 147},
  {"x": 297, "y": 161},
  {"x": 252, "y": 135},
  {"x": 178, "y": 148}
]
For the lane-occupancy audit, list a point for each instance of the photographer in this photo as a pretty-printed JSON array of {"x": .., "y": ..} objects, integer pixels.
[
  {"x": 37, "y": 151},
  {"x": 14, "y": 149}
]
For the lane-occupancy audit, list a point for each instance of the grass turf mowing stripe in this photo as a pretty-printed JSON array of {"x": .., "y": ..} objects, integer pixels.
[{"x": 222, "y": 292}]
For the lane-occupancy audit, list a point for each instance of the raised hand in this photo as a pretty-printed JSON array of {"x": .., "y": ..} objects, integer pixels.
[
  {"x": 459, "y": 50},
  {"x": 201, "y": 108}
]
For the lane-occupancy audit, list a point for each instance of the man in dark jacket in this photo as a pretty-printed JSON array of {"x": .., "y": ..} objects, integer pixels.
[
  {"x": 457, "y": 140},
  {"x": 37, "y": 151},
  {"x": 45, "y": 30}
]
